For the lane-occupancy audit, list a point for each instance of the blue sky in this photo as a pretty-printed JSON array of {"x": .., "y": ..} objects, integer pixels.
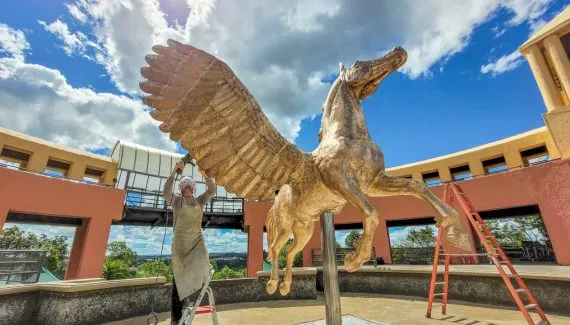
[{"x": 69, "y": 71}]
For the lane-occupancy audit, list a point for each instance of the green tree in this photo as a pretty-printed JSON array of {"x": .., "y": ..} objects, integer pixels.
[
  {"x": 114, "y": 269},
  {"x": 228, "y": 273},
  {"x": 149, "y": 269},
  {"x": 118, "y": 250},
  {"x": 56, "y": 248},
  {"x": 422, "y": 237},
  {"x": 352, "y": 238},
  {"x": 297, "y": 260},
  {"x": 513, "y": 231}
]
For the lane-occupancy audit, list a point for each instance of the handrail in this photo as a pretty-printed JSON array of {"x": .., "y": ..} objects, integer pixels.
[{"x": 26, "y": 170}]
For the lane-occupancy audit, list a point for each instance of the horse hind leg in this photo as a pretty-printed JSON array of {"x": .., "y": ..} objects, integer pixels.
[
  {"x": 302, "y": 232},
  {"x": 278, "y": 234}
]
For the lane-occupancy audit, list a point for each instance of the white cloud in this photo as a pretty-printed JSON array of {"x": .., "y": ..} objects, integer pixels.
[
  {"x": 39, "y": 101},
  {"x": 13, "y": 42},
  {"x": 72, "y": 42},
  {"x": 277, "y": 48},
  {"x": 76, "y": 13},
  {"x": 505, "y": 63}
]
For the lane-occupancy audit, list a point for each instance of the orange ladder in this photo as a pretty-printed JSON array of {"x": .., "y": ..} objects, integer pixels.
[{"x": 495, "y": 254}]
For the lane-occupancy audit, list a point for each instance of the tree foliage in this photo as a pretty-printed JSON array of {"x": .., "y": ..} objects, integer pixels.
[
  {"x": 422, "y": 237},
  {"x": 228, "y": 273},
  {"x": 149, "y": 269},
  {"x": 118, "y": 250},
  {"x": 297, "y": 260},
  {"x": 56, "y": 247},
  {"x": 514, "y": 231},
  {"x": 114, "y": 269},
  {"x": 352, "y": 238}
]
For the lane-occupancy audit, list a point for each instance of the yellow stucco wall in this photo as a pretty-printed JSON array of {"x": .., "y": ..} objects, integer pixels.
[
  {"x": 510, "y": 148},
  {"x": 40, "y": 151}
]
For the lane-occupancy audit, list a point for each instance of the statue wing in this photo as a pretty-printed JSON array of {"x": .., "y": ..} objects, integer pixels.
[{"x": 204, "y": 106}]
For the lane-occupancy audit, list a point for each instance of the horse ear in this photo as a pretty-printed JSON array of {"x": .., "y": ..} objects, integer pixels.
[{"x": 341, "y": 68}]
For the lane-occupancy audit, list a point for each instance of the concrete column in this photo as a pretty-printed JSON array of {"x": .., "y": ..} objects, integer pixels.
[
  {"x": 381, "y": 242},
  {"x": 560, "y": 60},
  {"x": 108, "y": 177},
  {"x": 556, "y": 218},
  {"x": 417, "y": 176},
  {"x": 552, "y": 149},
  {"x": 476, "y": 168},
  {"x": 254, "y": 250},
  {"x": 38, "y": 161},
  {"x": 314, "y": 242},
  {"x": 88, "y": 249},
  {"x": 444, "y": 174},
  {"x": 550, "y": 95},
  {"x": 513, "y": 159},
  {"x": 3, "y": 217},
  {"x": 77, "y": 170}
]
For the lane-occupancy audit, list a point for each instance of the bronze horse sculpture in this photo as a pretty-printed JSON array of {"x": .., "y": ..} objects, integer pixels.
[{"x": 203, "y": 105}]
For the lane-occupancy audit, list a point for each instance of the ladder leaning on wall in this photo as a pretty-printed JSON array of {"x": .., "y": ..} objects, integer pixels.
[{"x": 494, "y": 252}]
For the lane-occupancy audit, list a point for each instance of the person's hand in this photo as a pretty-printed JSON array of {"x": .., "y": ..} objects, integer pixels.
[{"x": 179, "y": 165}]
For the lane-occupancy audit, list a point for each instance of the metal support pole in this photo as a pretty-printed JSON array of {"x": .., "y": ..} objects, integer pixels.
[{"x": 330, "y": 273}]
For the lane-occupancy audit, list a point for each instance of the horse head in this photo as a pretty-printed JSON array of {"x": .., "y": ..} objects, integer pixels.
[{"x": 363, "y": 77}]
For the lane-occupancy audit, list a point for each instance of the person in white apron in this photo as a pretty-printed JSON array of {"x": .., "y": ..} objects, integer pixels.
[{"x": 190, "y": 261}]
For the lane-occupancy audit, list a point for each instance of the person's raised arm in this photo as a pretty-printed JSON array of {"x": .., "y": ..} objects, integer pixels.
[
  {"x": 210, "y": 191},
  {"x": 167, "y": 191}
]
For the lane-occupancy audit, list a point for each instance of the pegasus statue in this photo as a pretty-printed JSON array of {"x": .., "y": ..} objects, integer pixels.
[{"x": 203, "y": 105}]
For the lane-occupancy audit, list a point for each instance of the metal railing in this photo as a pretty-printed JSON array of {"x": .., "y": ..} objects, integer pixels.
[
  {"x": 317, "y": 257},
  {"x": 63, "y": 177},
  {"x": 155, "y": 200},
  {"x": 21, "y": 266}
]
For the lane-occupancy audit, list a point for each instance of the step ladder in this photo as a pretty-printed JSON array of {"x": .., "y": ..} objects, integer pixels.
[
  {"x": 494, "y": 252},
  {"x": 191, "y": 311}
]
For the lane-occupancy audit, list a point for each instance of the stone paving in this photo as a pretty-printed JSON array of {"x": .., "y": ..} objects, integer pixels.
[{"x": 377, "y": 309}]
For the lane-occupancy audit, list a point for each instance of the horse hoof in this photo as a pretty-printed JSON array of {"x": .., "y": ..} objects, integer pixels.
[
  {"x": 284, "y": 288},
  {"x": 271, "y": 286},
  {"x": 351, "y": 263}
]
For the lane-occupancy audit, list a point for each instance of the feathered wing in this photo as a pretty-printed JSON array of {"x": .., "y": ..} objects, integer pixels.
[{"x": 205, "y": 107}]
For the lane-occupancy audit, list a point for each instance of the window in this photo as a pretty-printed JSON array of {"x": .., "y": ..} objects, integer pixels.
[
  {"x": 9, "y": 164},
  {"x": 460, "y": 173},
  {"x": 431, "y": 178},
  {"x": 54, "y": 172},
  {"x": 535, "y": 155},
  {"x": 87, "y": 179},
  {"x": 15, "y": 156},
  {"x": 495, "y": 165},
  {"x": 56, "y": 168},
  {"x": 565, "y": 40}
]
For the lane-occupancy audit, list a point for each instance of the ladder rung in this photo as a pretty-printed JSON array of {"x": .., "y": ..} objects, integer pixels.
[
  {"x": 439, "y": 294},
  {"x": 512, "y": 276},
  {"x": 440, "y": 283},
  {"x": 530, "y": 306},
  {"x": 481, "y": 254},
  {"x": 521, "y": 290}
]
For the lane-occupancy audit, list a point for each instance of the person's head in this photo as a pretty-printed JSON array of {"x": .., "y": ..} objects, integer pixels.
[{"x": 187, "y": 186}]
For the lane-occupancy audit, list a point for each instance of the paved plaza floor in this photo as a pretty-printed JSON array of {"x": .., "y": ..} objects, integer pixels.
[{"x": 376, "y": 309}]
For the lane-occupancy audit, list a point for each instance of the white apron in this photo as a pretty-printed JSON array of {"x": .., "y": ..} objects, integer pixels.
[{"x": 190, "y": 261}]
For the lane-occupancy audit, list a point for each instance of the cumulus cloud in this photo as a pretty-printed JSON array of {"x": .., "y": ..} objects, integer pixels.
[
  {"x": 72, "y": 42},
  {"x": 505, "y": 63},
  {"x": 39, "y": 101},
  {"x": 13, "y": 42},
  {"x": 278, "y": 47},
  {"x": 281, "y": 50}
]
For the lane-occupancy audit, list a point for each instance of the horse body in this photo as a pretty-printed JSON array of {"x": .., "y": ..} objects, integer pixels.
[{"x": 348, "y": 167}]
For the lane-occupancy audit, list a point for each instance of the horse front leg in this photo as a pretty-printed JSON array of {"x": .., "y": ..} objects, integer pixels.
[
  {"x": 349, "y": 189},
  {"x": 446, "y": 216}
]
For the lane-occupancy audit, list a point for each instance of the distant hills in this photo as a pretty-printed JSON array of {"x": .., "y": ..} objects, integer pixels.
[{"x": 231, "y": 259}]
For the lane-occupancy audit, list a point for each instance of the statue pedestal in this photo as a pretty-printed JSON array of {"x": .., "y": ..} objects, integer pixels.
[{"x": 330, "y": 272}]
